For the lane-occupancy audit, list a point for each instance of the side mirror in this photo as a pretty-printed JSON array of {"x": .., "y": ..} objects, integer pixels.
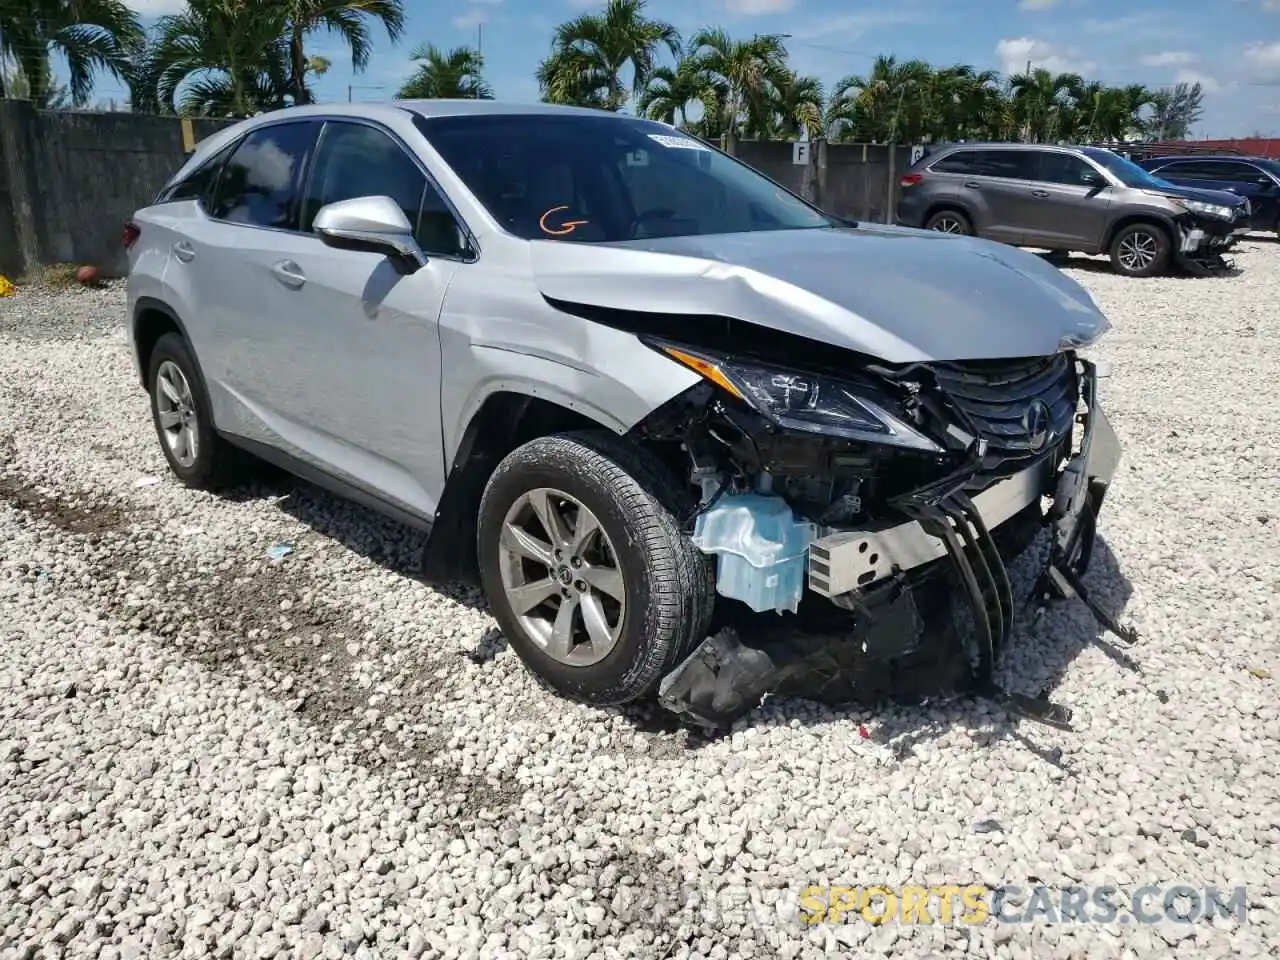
[
  {"x": 1090, "y": 178},
  {"x": 371, "y": 225}
]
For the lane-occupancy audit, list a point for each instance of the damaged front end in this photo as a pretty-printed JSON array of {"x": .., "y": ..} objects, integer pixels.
[
  {"x": 876, "y": 507},
  {"x": 1203, "y": 238}
]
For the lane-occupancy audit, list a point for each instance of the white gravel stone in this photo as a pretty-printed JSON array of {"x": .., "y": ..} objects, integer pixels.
[{"x": 206, "y": 752}]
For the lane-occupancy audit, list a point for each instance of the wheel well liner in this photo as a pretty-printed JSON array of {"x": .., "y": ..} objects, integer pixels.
[
  {"x": 505, "y": 421},
  {"x": 955, "y": 206},
  {"x": 152, "y": 319}
]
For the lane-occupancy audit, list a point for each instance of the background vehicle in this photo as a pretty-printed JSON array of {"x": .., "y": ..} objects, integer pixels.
[
  {"x": 614, "y": 372},
  {"x": 1257, "y": 179},
  {"x": 1082, "y": 199}
]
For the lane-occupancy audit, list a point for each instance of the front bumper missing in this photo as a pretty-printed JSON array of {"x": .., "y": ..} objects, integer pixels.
[
  {"x": 1202, "y": 243},
  {"x": 879, "y": 576}
]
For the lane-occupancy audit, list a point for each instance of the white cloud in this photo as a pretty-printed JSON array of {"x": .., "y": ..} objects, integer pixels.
[
  {"x": 1262, "y": 61},
  {"x": 156, "y": 8},
  {"x": 477, "y": 14},
  {"x": 753, "y": 8},
  {"x": 1169, "y": 58},
  {"x": 472, "y": 18},
  {"x": 854, "y": 25},
  {"x": 1014, "y": 52},
  {"x": 1207, "y": 83},
  {"x": 1036, "y": 4}
]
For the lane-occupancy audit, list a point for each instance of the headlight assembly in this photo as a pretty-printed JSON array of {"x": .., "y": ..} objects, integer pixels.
[
  {"x": 1221, "y": 211},
  {"x": 797, "y": 400}
]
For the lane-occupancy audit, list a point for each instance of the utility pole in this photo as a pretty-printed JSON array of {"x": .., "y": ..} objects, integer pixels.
[{"x": 480, "y": 38}]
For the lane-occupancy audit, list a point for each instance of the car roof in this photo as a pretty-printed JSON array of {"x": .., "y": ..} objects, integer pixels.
[
  {"x": 1206, "y": 156},
  {"x": 490, "y": 108},
  {"x": 997, "y": 145}
]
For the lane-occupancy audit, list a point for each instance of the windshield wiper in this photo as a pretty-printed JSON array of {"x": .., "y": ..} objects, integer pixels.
[{"x": 841, "y": 221}]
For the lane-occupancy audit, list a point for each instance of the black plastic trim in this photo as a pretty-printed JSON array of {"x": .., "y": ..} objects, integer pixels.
[{"x": 327, "y": 481}]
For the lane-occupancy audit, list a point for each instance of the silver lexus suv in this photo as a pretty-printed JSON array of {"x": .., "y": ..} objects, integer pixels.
[
  {"x": 629, "y": 385},
  {"x": 1083, "y": 199}
]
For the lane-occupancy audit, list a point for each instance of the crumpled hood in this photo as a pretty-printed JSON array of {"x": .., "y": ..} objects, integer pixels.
[
  {"x": 894, "y": 293},
  {"x": 1222, "y": 197}
]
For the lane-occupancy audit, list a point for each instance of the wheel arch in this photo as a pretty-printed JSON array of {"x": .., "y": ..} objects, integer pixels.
[
  {"x": 504, "y": 420},
  {"x": 949, "y": 205},
  {"x": 152, "y": 319},
  {"x": 1149, "y": 218}
]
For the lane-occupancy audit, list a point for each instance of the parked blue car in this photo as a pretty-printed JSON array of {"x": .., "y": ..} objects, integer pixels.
[{"x": 1255, "y": 178}]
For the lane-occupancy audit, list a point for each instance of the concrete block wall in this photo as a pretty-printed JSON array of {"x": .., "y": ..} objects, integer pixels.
[{"x": 69, "y": 180}]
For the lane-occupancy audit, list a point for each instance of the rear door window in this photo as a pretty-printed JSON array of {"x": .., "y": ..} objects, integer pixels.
[
  {"x": 199, "y": 183},
  {"x": 1012, "y": 164},
  {"x": 259, "y": 184},
  {"x": 964, "y": 161},
  {"x": 1193, "y": 170}
]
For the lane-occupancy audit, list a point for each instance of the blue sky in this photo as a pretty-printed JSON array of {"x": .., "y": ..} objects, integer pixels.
[{"x": 1231, "y": 46}]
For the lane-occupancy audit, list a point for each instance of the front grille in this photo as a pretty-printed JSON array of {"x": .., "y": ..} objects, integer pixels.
[{"x": 997, "y": 394}]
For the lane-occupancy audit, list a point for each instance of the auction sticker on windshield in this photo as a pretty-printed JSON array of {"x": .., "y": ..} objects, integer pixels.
[{"x": 677, "y": 143}]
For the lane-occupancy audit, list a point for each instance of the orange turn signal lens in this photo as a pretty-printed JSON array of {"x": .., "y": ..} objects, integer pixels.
[{"x": 706, "y": 368}]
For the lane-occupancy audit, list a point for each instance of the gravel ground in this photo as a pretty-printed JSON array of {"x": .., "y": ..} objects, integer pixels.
[{"x": 205, "y": 750}]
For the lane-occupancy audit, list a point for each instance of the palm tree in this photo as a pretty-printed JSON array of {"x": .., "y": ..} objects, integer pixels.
[
  {"x": 590, "y": 53},
  {"x": 1043, "y": 103},
  {"x": 349, "y": 19},
  {"x": 877, "y": 108},
  {"x": 672, "y": 91},
  {"x": 452, "y": 75},
  {"x": 90, "y": 34},
  {"x": 797, "y": 103},
  {"x": 226, "y": 58},
  {"x": 747, "y": 71}
]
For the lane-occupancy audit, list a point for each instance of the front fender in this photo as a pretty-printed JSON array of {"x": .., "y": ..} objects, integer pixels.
[{"x": 506, "y": 337}]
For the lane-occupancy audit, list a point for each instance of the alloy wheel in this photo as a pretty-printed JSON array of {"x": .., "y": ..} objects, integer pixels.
[
  {"x": 561, "y": 577},
  {"x": 176, "y": 411},
  {"x": 1138, "y": 250},
  {"x": 948, "y": 225}
]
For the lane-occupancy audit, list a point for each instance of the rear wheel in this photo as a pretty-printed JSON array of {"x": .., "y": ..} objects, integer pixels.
[
  {"x": 183, "y": 419},
  {"x": 585, "y": 567},
  {"x": 1140, "y": 250},
  {"x": 950, "y": 221}
]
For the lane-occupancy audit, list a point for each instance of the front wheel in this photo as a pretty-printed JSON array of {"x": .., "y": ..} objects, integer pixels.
[
  {"x": 950, "y": 221},
  {"x": 1140, "y": 250},
  {"x": 585, "y": 567}
]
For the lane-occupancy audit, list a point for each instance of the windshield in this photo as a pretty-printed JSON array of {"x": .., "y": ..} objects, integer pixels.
[
  {"x": 1126, "y": 171},
  {"x": 1271, "y": 166},
  {"x": 606, "y": 179}
]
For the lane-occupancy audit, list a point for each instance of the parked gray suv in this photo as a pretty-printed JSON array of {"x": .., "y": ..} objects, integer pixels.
[
  {"x": 629, "y": 385},
  {"x": 1083, "y": 199}
]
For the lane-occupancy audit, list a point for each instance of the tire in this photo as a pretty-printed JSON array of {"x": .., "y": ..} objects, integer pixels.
[
  {"x": 666, "y": 584},
  {"x": 939, "y": 221},
  {"x": 1147, "y": 239},
  {"x": 215, "y": 463}
]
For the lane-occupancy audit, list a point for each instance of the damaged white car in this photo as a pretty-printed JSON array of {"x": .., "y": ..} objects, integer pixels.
[{"x": 633, "y": 387}]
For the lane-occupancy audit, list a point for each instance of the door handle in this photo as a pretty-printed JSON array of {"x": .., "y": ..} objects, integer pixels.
[
  {"x": 973, "y": 184},
  {"x": 289, "y": 273},
  {"x": 1042, "y": 194},
  {"x": 184, "y": 251}
]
